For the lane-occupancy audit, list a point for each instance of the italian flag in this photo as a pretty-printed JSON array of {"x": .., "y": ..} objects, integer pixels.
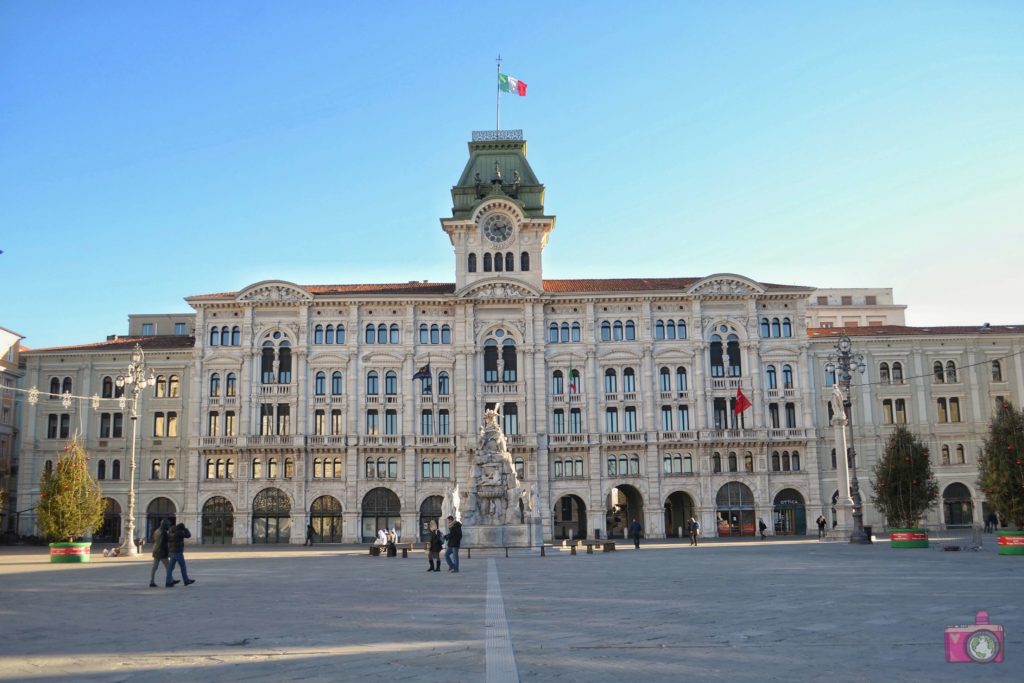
[
  {"x": 574, "y": 387},
  {"x": 511, "y": 85}
]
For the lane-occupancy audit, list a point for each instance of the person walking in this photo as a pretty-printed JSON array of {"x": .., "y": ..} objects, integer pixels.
[
  {"x": 761, "y": 526},
  {"x": 176, "y": 553},
  {"x": 454, "y": 539},
  {"x": 821, "y": 526},
  {"x": 160, "y": 550},
  {"x": 635, "y": 529},
  {"x": 309, "y": 534},
  {"x": 434, "y": 544},
  {"x": 694, "y": 530},
  {"x": 991, "y": 522}
]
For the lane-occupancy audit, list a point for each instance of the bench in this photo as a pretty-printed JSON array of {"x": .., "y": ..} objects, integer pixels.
[{"x": 380, "y": 550}]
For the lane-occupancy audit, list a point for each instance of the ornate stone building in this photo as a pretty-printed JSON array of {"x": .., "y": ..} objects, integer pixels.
[{"x": 354, "y": 407}]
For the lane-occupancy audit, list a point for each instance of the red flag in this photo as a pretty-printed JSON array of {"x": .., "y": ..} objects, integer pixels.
[{"x": 741, "y": 402}]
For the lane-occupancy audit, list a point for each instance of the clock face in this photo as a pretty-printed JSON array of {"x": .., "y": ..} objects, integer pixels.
[{"x": 497, "y": 228}]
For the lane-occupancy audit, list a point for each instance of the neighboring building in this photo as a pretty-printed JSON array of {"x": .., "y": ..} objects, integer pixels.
[
  {"x": 10, "y": 376},
  {"x": 862, "y": 307},
  {"x": 298, "y": 404},
  {"x": 162, "y": 325}
]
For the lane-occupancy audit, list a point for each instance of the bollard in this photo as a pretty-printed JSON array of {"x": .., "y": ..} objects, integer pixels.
[
  {"x": 506, "y": 552},
  {"x": 405, "y": 552},
  {"x": 542, "y": 554},
  {"x": 469, "y": 553},
  {"x": 572, "y": 550},
  {"x": 590, "y": 549}
]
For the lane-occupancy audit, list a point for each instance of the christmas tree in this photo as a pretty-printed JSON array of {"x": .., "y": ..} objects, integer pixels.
[
  {"x": 1001, "y": 466},
  {"x": 70, "y": 502},
  {"x": 904, "y": 488}
]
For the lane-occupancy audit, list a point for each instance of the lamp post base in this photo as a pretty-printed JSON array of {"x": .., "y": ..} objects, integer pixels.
[{"x": 858, "y": 537}]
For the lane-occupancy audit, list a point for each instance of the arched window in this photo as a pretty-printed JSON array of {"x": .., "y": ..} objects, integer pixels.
[
  {"x": 499, "y": 263},
  {"x": 289, "y": 468},
  {"x": 716, "y": 350},
  {"x": 172, "y": 386},
  {"x": 446, "y": 334},
  {"x": 443, "y": 383},
  {"x": 776, "y": 462},
  {"x": 960, "y": 460},
  {"x": 770, "y": 377},
  {"x": 487, "y": 263},
  {"x": 160, "y": 389},
  {"x": 108, "y": 387},
  {"x": 115, "y": 470},
  {"x": 785, "y": 461},
  {"x": 435, "y": 334},
  {"x": 154, "y": 469},
  {"x": 272, "y": 468},
  {"x": 371, "y": 335},
  {"x": 681, "y": 329},
  {"x": 214, "y": 336},
  {"x": 391, "y": 383},
  {"x": 765, "y": 329},
  {"x": 937, "y": 371},
  {"x": 382, "y": 334},
  {"x": 665, "y": 379},
  {"x": 997, "y": 371},
  {"x": 659, "y": 329},
  {"x": 524, "y": 261},
  {"x": 630, "y": 331},
  {"x": 320, "y": 383},
  {"x": 670, "y": 329},
  {"x": 369, "y": 471},
  {"x": 371, "y": 383},
  {"x": 612, "y": 467},
  {"x": 231, "y": 388},
  {"x": 733, "y": 464},
  {"x": 424, "y": 334},
  {"x": 394, "y": 333},
  {"x": 575, "y": 329},
  {"x": 510, "y": 262},
  {"x": 225, "y": 336},
  {"x": 945, "y": 455},
  {"x": 634, "y": 465},
  {"x": 787, "y": 328},
  {"x": 564, "y": 332},
  {"x": 393, "y": 468},
  {"x": 509, "y": 360},
  {"x": 617, "y": 330},
  {"x": 735, "y": 361},
  {"x": 897, "y": 373},
  {"x": 776, "y": 329},
  {"x": 796, "y": 461},
  {"x": 716, "y": 463},
  {"x": 606, "y": 331},
  {"x": 557, "y": 386},
  {"x": 787, "y": 376},
  {"x": 211, "y": 468},
  {"x": 520, "y": 467},
  {"x": 214, "y": 385},
  {"x": 101, "y": 469},
  {"x": 611, "y": 383},
  {"x": 951, "y": 372},
  {"x": 553, "y": 333},
  {"x": 748, "y": 462},
  {"x": 883, "y": 373},
  {"x": 336, "y": 385},
  {"x": 471, "y": 265},
  {"x": 236, "y": 336},
  {"x": 339, "y": 334},
  {"x": 329, "y": 335},
  {"x": 66, "y": 386},
  {"x": 172, "y": 470}
]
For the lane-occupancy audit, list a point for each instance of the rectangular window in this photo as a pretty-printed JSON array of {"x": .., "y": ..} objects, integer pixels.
[
  {"x": 284, "y": 419},
  {"x": 266, "y": 419},
  {"x": 336, "y": 424},
  {"x": 901, "y": 411},
  {"x": 823, "y": 301},
  {"x": 426, "y": 423},
  {"x": 943, "y": 416},
  {"x": 773, "y": 415},
  {"x": 229, "y": 423},
  {"x": 147, "y": 329},
  {"x": 442, "y": 423},
  {"x": 790, "y": 415},
  {"x": 180, "y": 329},
  {"x": 118, "y": 431},
  {"x": 630, "y": 419},
  {"x": 158, "y": 424},
  {"x": 391, "y": 422},
  {"x": 558, "y": 422},
  {"x": 575, "y": 421},
  {"x": 687, "y": 464},
  {"x": 666, "y": 418},
  {"x": 105, "y": 425},
  {"x": 511, "y": 414},
  {"x": 319, "y": 422},
  {"x": 372, "y": 422},
  {"x": 954, "y": 410},
  {"x": 611, "y": 420},
  {"x": 871, "y": 300},
  {"x": 558, "y": 468},
  {"x": 684, "y": 418},
  {"x": 847, "y": 300},
  {"x": 887, "y": 415},
  {"x": 172, "y": 424},
  {"x": 213, "y": 424}
]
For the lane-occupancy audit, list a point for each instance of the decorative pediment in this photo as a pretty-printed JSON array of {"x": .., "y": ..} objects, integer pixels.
[
  {"x": 618, "y": 356},
  {"x": 274, "y": 291},
  {"x": 724, "y": 284},
  {"x": 498, "y": 291},
  {"x": 382, "y": 358}
]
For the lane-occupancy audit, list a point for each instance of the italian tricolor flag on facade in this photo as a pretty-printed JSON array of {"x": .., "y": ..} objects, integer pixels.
[{"x": 511, "y": 85}]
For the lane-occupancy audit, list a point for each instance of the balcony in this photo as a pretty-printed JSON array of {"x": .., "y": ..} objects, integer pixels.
[
  {"x": 625, "y": 437},
  {"x": 629, "y": 396},
  {"x": 611, "y": 397},
  {"x": 390, "y": 440},
  {"x": 789, "y": 392},
  {"x": 499, "y": 388},
  {"x": 443, "y": 399},
  {"x": 218, "y": 441},
  {"x": 275, "y": 390},
  {"x": 728, "y": 434},
  {"x": 436, "y": 441},
  {"x": 567, "y": 439},
  {"x": 787, "y": 433},
  {"x": 557, "y": 398},
  {"x": 293, "y": 441},
  {"x": 392, "y": 399},
  {"x": 674, "y": 437},
  {"x": 336, "y": 441},
  {"x": 726, "y": 383}
]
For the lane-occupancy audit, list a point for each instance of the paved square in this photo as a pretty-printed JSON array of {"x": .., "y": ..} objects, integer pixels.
[{"x": 722, "y": 612}]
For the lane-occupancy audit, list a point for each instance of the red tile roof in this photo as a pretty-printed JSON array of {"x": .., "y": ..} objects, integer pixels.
[
  {"x": 157, "y": 342},
  {"x": 905, "y": 331}
]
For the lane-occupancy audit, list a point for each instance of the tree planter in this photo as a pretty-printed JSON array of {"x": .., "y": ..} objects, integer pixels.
[
  {"x": 1011, "y": 542},
  {"x": 908, "y": 538},
  {"x": 70, "y": 552}
]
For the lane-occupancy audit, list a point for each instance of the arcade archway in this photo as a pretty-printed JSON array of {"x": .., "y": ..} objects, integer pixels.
[
  {"x": 271, "y": 517},
  {"x": 679, "y": 508},
  {"x": 569, "y": 517},
  {"x": 218, "y": 521},
  {"x": 735, "y": 504},
  {"x": 623, "y": 505},
  {"x": 957, "y": 506},
  {"x": 381, "y": 509},
  {"x": 790, "y": 513},
  {"x": 325, "y": 516}
]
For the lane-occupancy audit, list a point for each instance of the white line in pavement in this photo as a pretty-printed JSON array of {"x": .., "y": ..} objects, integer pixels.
[{"x": 501, "y": 661}]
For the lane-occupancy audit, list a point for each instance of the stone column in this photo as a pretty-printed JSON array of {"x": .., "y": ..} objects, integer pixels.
[{"x": 844, "y": 506}]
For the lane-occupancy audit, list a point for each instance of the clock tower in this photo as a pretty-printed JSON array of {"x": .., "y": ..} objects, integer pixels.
[{"x": 498, "y": 228}]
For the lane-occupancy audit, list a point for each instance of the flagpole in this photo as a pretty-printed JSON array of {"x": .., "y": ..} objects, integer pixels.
[{"x": 497, "y": 99}]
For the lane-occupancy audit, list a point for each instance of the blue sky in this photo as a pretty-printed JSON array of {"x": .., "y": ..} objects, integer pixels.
[{"x": 153, "y": 151}]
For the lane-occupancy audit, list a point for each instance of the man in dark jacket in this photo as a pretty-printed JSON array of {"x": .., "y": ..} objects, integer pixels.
[
  {"x": 454, "y": 538},
  {"x": 160, "y": 549},
  {"x": 176, "y": 552},
  {"x": 635, "y": 529}
]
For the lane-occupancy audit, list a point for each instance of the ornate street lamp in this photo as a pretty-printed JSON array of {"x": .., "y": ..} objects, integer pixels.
[
  {"x": 843, "y": 362},
  {"x": 136, "y": 380}
]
